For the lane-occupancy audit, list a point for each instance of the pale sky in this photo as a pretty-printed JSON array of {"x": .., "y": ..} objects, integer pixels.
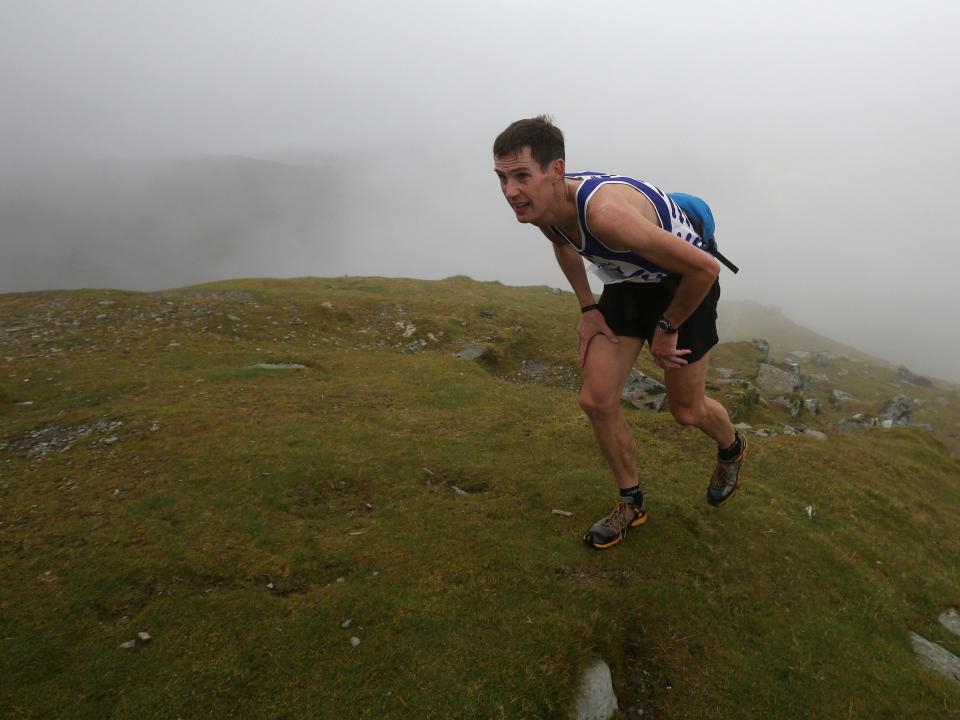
[{"x": 822, "y": 133}]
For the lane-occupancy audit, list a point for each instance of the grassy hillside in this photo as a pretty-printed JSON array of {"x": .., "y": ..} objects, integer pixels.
[{"x": 157, "y": 483}]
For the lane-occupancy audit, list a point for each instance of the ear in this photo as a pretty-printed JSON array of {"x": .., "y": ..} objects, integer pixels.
[{"x": 557, "y": 169}]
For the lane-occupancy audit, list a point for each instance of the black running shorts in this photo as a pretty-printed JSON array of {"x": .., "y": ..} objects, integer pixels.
[{"x": 632, "y": 309}]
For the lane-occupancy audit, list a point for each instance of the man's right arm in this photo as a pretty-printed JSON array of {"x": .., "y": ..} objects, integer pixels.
[
  {"x": 572, "y": 266},
  {"x": 592, "y": 323}
]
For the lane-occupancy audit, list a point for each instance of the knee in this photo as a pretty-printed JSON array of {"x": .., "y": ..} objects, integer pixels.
[
  {"x": 598, "y": 406},
  {"x": 686, "y": 415}
]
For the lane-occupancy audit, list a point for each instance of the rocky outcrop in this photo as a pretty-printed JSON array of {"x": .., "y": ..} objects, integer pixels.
[
  {"x": 643, "y": 392},
  {"x": 897, "y": 410},
  {"x": 812, "y": 406},
  {"x": 773, "y": 380},
  {"x": 822, "y": 359},
  {"x": 837, "y": 397},
  {"x": 857, "y": 423},
  {"x": 764, "y": 347},
  {"x": 907, "y": 376},
  {"x": 792, "y": 405}
]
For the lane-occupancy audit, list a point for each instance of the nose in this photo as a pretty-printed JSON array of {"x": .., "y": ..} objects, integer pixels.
[{"x": 510, "y": 189}]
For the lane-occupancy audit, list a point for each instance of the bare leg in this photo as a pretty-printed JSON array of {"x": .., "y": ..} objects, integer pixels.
[
  {"x": 604, "y": 375},
  {"x": 689, "y": 405}
]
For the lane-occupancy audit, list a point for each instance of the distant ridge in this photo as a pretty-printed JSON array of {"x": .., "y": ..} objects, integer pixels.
[{"x": 748, "y": 319}]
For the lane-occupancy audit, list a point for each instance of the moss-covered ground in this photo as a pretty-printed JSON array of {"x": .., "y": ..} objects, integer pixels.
[{"x": 156, "y": 483}]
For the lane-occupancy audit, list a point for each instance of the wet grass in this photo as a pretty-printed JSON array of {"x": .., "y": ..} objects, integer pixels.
[{"x": 240, "y": 516}]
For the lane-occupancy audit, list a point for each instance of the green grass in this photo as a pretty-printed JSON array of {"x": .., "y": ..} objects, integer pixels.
[{"x": 223, "y": 480}]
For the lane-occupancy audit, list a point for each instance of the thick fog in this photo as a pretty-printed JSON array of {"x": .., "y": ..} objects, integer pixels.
[{"x": 154, "y": 145}]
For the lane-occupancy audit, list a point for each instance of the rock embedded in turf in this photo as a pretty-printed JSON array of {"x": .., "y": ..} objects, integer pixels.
[
  {"x": 276, "y": 366},
  {"x": 346, "y": 624},
  {"x": 144, "y": 637},
  {"x": 771, "y": 379},
  {"x": 644, "y": 392},
  {"x": 355, "y": 641},
  {"x": 129, "y": 645},
  {"x": 596, "y": 699},
  {"x": 935, "y": 657},
  {"x": 951, "y": 621},
  {"x": 470, "y": 352}
]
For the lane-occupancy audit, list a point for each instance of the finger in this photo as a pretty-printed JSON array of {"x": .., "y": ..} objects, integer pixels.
[
  {"x": 584, "y": 345},
  {"x": 682, "y": 352},
  {"x": 611, "y": 335}
]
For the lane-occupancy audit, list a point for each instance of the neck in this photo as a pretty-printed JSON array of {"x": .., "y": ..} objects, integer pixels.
[{"x": 563, "y": 210}]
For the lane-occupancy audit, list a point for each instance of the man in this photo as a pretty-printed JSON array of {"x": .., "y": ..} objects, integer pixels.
[{"x": 660, "y": 285}]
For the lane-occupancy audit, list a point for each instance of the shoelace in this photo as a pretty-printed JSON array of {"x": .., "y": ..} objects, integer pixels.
[
  {"x": 723, "y": 474},
  {"x": 619, "y": 517}
]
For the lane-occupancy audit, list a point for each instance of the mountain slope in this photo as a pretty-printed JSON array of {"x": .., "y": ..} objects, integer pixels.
[{"x": 253, "y": 521}]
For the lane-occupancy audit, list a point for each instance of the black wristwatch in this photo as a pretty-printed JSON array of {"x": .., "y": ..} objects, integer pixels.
[{"x": 666, "y": 326}]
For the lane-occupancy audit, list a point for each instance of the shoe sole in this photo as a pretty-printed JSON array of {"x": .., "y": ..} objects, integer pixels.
[
  {"x": 634, "y": 523},
  {"x": 728, "y": 498}
]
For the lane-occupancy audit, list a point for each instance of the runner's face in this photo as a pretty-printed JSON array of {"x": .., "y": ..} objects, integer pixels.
[{"x": 524, "y": 184}]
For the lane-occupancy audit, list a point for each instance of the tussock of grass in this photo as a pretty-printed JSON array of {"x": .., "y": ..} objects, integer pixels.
[{"x": 224, "y": 481}]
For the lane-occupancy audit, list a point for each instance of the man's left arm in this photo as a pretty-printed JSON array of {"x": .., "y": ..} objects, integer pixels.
[{"x": 623, "y": 227}]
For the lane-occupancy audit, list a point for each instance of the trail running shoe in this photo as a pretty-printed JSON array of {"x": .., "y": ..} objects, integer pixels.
[
  {"x": 726, "y": 478},
  {"x": 613, "y": 528}
]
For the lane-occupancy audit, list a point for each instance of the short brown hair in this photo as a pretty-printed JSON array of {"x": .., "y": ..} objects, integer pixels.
[{"x": 539, "y": 134}]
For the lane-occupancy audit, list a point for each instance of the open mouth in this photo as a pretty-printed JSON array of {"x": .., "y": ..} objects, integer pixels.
[{"x": 519, "y": 207}]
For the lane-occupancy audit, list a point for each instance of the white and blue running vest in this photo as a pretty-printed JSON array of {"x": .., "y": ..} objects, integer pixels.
[{"x": 616, "y": 266}]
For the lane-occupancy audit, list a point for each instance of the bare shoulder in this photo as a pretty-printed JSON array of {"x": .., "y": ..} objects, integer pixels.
[
  {"x": 619, "y": 200},
  {"x": 616, "y": 206}
]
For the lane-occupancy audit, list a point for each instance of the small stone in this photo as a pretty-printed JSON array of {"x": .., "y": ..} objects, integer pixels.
[
  {"x": 346, "y": 624},
  {"x": 950, "y": 619},
  {"x": 144, "y": 637},
  {"x": 129, "y": 645},
  {"x": 562, "y": 513},
  {"x": 270, "y": 586},
  {"x": 341, "y": 579},
  {"x": 111, "y": 440},
  {"x": 470, "y": 352},
  {"x": 459, "y": 491},
  {"x": 596, "y": 700},
  {"x": 355, "y": 641}
]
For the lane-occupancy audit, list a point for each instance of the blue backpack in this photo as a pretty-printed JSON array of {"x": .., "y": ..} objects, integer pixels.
[{"x": 702, "y": 218}]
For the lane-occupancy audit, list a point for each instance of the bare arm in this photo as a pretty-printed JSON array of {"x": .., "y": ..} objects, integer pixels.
[
  {"x": 592, "y": 323},
  {"x": 572, "y": 266},
  {"x": 622, "y": 226}
]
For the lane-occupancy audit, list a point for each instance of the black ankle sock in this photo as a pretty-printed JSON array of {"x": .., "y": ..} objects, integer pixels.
[
  {"x": 730, "y": 454},
  {"x": 633, "y": 495}
]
